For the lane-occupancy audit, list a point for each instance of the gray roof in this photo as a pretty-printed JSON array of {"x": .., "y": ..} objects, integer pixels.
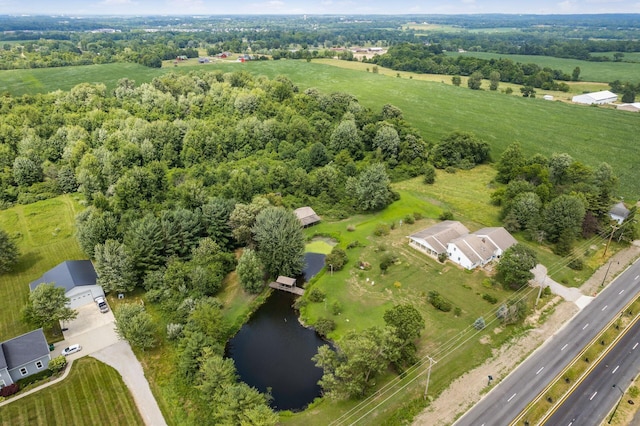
[
  {"x": 500, "y": 237},
  {"x": 475, "y": 248},
  {"x": 620, "y": 210},
  {"x": 306, "y": 216},
  {"x": 441, "y": 234},
  {"x": 23, "y": 349},
  {"x": 69, "y": 274},
  {"x": 286, "y": 281}
]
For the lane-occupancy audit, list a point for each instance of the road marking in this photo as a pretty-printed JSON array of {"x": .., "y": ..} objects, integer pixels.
[
  {"x": 605, "y": 307},
  {"x": 538, "y": 372},
  {"x": 585, "y": 326},
  {"x": 634, "y": 346},
  {"x": 621, "y": 291},
  {"x": 637, "y": 276},
  {"x": 615, "y": 369},
  {"x": 512, "y": 396},
  {"x": 565, "y": 346},
  {"x": 592, "y": 396}
]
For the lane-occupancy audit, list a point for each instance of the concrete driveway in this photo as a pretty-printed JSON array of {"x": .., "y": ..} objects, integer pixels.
[{"x": 91, "y": 329}]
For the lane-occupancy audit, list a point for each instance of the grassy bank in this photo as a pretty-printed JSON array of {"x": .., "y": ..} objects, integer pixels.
[{"x": 93, "y": 393}]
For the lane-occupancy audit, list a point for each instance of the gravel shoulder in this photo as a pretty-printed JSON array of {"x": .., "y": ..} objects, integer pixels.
[{"x": 468, "y": 389}]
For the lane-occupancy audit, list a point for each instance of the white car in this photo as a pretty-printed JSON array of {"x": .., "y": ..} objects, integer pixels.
[
  {"x": 71, "y": 350},
  {"x": 102, "y": 304}
]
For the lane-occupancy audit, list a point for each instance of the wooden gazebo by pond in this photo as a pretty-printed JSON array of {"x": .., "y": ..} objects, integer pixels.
[{"x": 286, "y": 284}]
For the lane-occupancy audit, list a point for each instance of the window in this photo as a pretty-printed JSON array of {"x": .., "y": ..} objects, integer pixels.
[
  {"x": 23, "y": 371},
  {"x": 38, "y": 365},
  {"x": 2, "y": 384}
]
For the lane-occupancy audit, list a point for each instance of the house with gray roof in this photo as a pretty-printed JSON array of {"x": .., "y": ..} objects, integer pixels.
[
  {"x": 77, "y": 277},
  {"x": 23, "y": 356},
  {"x": 619, "y": 212},
  {"x": 433, "y": 240}
]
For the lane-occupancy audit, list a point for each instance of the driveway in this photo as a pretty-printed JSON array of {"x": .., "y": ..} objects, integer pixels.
[
  {"x": 567, "y": 293},
  {"x": 95, "y": 332}
]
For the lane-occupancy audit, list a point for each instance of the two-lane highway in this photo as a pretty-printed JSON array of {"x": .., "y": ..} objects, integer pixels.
[
  {"x": 511, "y": 396},
  {"x": 590, "y": 402}
]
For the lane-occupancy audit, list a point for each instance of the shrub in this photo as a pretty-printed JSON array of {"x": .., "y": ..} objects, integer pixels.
[
  {"x": 457, "y": 311},
  {"x": 353, "y": 244},
  {"x": 446, "y": 215},
  {"x": 9, "y": 390},
  {"x": 316, "y": 295},
  {"x": 417, "y": 215},
  {"x": 57, "y": 364},
  {"x": 336, "y": 259},
  {"x": 450, "y": 170},
  {"x": 386, "y": 261},
  {"x": 489, "y": 298},
  {"x": 429, "y": 174},
  {"x": 300, "y": 302},
  {"x": 576, "y": 264},
  {"x": 351, "y": 228},
  {"x": 442, "y": 257},
  {"x": 438, "y": 301},
  {"x": 34, "y": 378},
  {"x": 174, "y": 331},
  {"x": 546, "y": 291},
  {"x": 634, "y": 391},
  {"x": 479, "y": 324},
  {"x": 325, "y": 326},
  {"x": 409, "y": 219},
  {"x": 336, "y": 308},
  {"x": 381, "y": 229}
]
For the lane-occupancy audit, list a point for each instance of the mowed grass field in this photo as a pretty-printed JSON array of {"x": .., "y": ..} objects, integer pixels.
[
  {"x": 604, "y": 72},
  {"x": 589, "y": 134},
  {"x": 45, "y": 233},
  {"x": 93, "y": 394}
]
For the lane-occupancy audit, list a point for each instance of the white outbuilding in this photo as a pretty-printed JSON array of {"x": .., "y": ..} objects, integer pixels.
[
  {"x": 634, "y": 107},
  {"x": 599, "y": 98}
]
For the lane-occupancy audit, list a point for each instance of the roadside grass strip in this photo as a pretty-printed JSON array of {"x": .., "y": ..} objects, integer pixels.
[{"x": 559, "y": 389}]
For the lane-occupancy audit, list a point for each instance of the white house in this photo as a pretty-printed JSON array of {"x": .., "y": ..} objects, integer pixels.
[
  {"x": 619, "y": 212},
  {"x": 500, "y": 237},
  {"x": 602, "y": 97},
  {"x": 433, "y": 241},
  {"x": 23, "y": 356},
  {"x": 634, "y": 107},
  {"x": 77, "y": 277}
]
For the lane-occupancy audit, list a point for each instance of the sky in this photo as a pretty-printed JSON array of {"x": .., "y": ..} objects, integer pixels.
[{"x": 310, "y": 7}]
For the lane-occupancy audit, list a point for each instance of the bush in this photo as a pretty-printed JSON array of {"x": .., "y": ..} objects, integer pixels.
[
  {"x": 450, "y": 170},
  {"x": 300, "y": 302},
  {"x": 386, "y": 261},
  {"x": 457, "y": 311},
  {"x": 325, "y": 326},
  {"x": 381, "y": 229},
  {"x": 336, "y": 308},
  {"x": 34, "y": 378},
  {"x": 446, "y": 215},
  {"x": 489, "y": 298},
  {"x": 351, "y": 228},
  {"x": 429, "y": 174},
  {"x": 57, "y": 364},
  {"x": 9, "y": 390},
  {"x": 409, "y": 219},
  {"x": 442, "y": 257},
  {"x": 417, "y": 215},
  {"x": 174, "y": 331},
  {"x": 336, "y": 259},
  {"x": 576, "y": 264},
  {"x": 316, "y": 295},
  {"x": 546, "y": 291},
  {"x": 438, "y": 301},
  {"x": 353, "y": 244}
]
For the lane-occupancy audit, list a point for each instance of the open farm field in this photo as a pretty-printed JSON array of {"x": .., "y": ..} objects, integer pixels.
[
  {"x": 628, "y": 56},
  {"x": 93, "y": 393},
  {"x": 45, "y": 233},
  {"x": 604, "y": 72}
]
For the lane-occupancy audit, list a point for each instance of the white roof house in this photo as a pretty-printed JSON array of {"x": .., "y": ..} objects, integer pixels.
[
  {"x": 634, "y": 107},
  {"x": 434, "y": 240},
  {"x": 602, "y": 97}
]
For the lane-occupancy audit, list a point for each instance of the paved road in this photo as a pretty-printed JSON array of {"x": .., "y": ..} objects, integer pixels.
[
  {"x": 512, "y": 395},
  {"x": 594, "y": 398}
]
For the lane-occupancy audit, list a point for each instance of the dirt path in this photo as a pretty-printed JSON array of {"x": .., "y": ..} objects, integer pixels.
[{"x": 467, "y": 390}]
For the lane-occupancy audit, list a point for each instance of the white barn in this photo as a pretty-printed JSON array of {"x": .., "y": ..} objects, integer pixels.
[
  {"x": 600, "y": 98},
  {"x": 479, "y": 248},
  {"x": 634, "y": 107}
]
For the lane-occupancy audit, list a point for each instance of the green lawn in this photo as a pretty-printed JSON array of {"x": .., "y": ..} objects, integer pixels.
[
  {"x": 92, "y": 394},
  {"x": 604, "y": 72},
  {"x": 45, "y": 233}
]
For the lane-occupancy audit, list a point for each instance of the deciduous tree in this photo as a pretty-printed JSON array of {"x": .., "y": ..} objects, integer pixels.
[
  {"x": 48, "y": 305},
  {"x": 515, "y": 266},
  {"x": 250, "y": 272},
  {"x": 135, "y": 325},
  {"x": 280, "y": 242},
  {"x": 371, "y": 189},
  {"x": 8, "y": 252}
]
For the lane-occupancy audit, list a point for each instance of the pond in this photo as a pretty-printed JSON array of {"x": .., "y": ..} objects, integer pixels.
[{"x": 273, "y": 350}]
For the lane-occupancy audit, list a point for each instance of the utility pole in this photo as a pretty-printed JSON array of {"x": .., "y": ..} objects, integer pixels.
[
  {"x": 617, "y": 405},
  {"x": 426, "y": 387},
  {"x": 540, "y": 291},
  {"x": 605, "y": 274},
  {"x": 613, "y": 229}
]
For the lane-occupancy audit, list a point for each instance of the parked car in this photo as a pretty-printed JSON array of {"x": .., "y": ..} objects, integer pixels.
[
  {"x": 71, "y": 350},
  {"x": 102, "y": 304}
]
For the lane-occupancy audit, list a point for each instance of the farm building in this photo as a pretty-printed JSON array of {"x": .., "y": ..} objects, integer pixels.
[
  {"x": 602, "y": 97},
  {"x": 306, "y": 216},
  {"x": 77, "y": 277},
  {"x": 619, "y": 212},
  {"x": 547, "y": 97},
  {"x": 461, "y": 247},
  {"x": 433, "y": 241},
  {"x": 23, "y": 356},
  {"x": 634, "y": 107}
]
